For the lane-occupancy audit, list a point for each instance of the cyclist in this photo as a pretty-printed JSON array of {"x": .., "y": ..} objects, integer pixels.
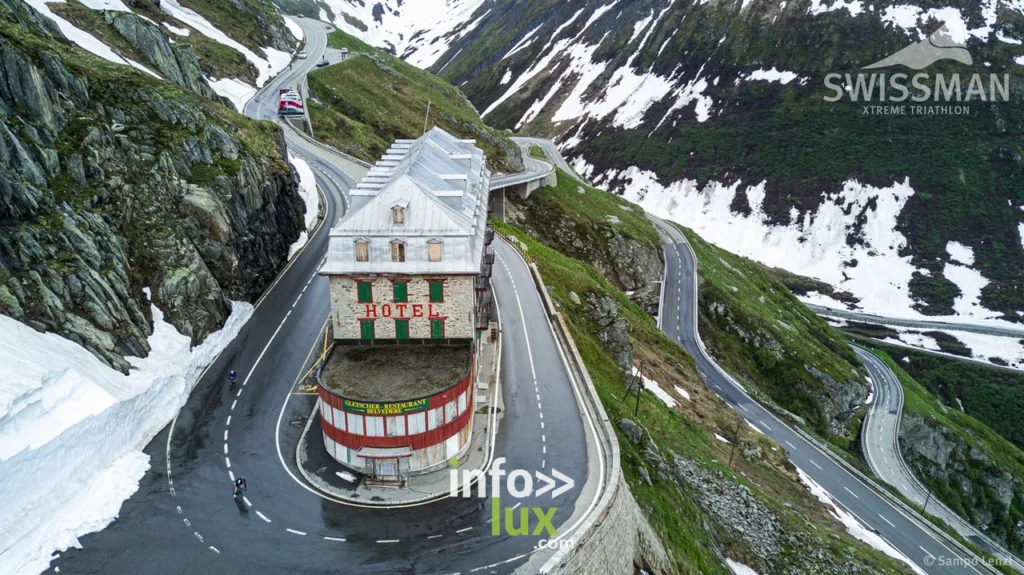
[{"x": 232, "y": 376}]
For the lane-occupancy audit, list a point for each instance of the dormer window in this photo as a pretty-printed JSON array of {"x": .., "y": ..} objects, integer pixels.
[
  {"x": 362, "y": 251},
  {"x": 397, "y": 215},
  {"x": 434, "y": 250},
  {"x": 397, "y": 251}
]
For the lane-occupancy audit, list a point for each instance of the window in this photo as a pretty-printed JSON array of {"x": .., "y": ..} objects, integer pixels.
[
  {"x": 417, "y": 422},
  {"x": 462, "y": 403},
  {"x": 366, "y": 328},
  {"x": 397, "y": 251},
  {"x": 362, "y": 251},
  {"x": 365, "y": 292},
  {"x": 402, "y": 328},
  {"x": 450, "y": 412},
  {"x": 434, "y": 250},
  {"x": 396, "y": 425},
  {"x": 398, "y": 215},
  {"x": 339, "y": 418},
  {"x": 355, "y": 424},
  {"x": 401, "y": 292},
  {"x": 436, "y": 291},
  {"x": 374, "y": 426},
  {"x": 435, "y": 417},
  {"x": 436, "y": 329}
]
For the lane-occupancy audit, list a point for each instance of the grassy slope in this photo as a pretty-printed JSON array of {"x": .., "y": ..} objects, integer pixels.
[
  {"x": 993, "y": 396},
  {"x": 917, "y": 399},
  {"x": 240, "y": 25},
  {"x": 687, "y": 430},
  {"x": 216, "y": 59},
  {"x": 374, "y": 98},
  {"x": 761, "y": 304}
]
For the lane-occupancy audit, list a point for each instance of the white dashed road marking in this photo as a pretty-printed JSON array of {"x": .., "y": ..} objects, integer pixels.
[
  {"x": 263, "y": 517},
  {"x": 290, "y": 530},
  {"x": 334, "y": 538}
]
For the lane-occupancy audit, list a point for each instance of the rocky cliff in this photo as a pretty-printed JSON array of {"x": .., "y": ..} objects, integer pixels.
[
  {"x": 112, "y": 182},
  {"x": 965, "y": 477}
]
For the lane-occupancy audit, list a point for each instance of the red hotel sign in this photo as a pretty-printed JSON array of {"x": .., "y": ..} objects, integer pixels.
[{"x": 401, "y": 310}]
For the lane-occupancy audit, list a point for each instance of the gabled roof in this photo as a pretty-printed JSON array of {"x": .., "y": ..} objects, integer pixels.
[{"x": 442, "y": 184}]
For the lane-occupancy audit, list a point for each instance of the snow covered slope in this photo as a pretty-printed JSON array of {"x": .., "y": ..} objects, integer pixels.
[
  {"x": 418, "y": 31},
  {"x": 714, "y": 115},
  {"x": 72, "y": 430}
]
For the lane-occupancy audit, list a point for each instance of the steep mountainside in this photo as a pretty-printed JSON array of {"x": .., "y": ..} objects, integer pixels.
[
  {"x": 973, "y": 470},
  {"x": 715, "y": 114},
  {"x": 758, "y": 330},
  {"x": 113, "y": 182},
  {"x": 418, "y": 31},
  {"x": 365, "y": 103}
]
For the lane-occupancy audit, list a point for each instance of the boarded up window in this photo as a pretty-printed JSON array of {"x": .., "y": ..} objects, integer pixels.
[
  {"x": 396, "y": 425},
  {"x": 434, "y": 251},
  {"x": 417, "y": 422},
  {"x": 398, "y": 215},
  {"x": 462, "y": 403},
  {"x": 374, "y": 426},
  {"x": 450, "y": 412},
  {"x": 397, "y": 252},
  {"x": 362, "y": 251},
  {"x": 355, "y": 423},
  {"x": 339, "y": 417},
  {"x": 435, "y": 417}
]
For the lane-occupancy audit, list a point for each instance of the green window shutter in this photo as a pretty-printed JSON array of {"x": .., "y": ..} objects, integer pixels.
[
  {"x": 402, "y": 328},
  {"x": 401, "y": 292},
  {"x": 366, "y": 328},
  {"x": 365, "y": 292},
  {"x": 436, "y": 291},
  {"x": 437, "y": 329}
]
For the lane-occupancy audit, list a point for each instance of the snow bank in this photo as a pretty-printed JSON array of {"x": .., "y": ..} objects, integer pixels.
[
  {"x": 420, "y": 31},
  {"x": 235, "y": 90},
  {"x": 739, "y": 568},
  {"x": 853, "y": 526},
  {"x": 307, "y": 190},
  {"x": 72, "y": 430},
  {"x": 179, "y": 31},
  {"x": 960, "y": 253},
  {"x": 655, "y": 388},
  {"x": 267, "y": 67},
  {"x": 685, "y": 394},
  {"x": 85, "y": 40},
  {"x": 294, "y": 28},
  {"x": 722, "y": 439},
  {"x": 116, "y": 5}
]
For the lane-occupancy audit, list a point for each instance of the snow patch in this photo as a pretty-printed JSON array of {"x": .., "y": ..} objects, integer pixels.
[
  {"x": 294, "y": 28},
  {"x": 72, "y": 430},
  {"x": 722, "y": 439},
  {"x": 853, "y": 526},
  {"x": 960, "y": 253},
  {"x": 682, "y": 392},
  {"x": 177, "y": 31},
  {"x": 235, "y": 90},
  {"x": 506, "y": 78},
  {"x": 735, "y": 566},
  {"x": 655, "y": 388},
  {"x": 781, "y": 76},
  {"x": 310, "y": 197}
]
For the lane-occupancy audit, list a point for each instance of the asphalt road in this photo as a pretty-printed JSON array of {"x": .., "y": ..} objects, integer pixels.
[
  {"x": 551, "y": 150},
  {"x": 678, "y": 321},
  {"x": 183, "y": 519},
  {"x": 879, "y": 440},
  {"x": 922, "y": 324}
]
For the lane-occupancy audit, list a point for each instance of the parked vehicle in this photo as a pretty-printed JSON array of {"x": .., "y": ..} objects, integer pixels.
[
  {"x": 289, "y": 103},
  {"x": 323, "y": 62}
]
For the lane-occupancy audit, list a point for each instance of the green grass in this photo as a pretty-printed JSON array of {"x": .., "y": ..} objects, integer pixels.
[
  {"x": 373, "y": 98},
  {"x": 241, "y": 25},
  {"x": 687, "y": 430},
  {"x": 1003, "y": 455},
  {"x": 762, "y": 316},
  {"x": 537, "y": 152}
]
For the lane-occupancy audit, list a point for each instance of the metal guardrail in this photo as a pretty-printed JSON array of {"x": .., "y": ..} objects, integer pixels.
[
  {"x": 917, "y": 324},
  {"x": 522, "y": 178}
]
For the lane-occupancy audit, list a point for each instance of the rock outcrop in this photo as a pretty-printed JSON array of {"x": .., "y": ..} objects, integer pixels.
[
  {"x": 179, "y": 63},
  {"x": 112, "y": 182},
  {"x": 965, "y": 477}
]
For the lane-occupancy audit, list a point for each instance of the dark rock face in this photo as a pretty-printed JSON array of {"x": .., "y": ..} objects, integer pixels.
[
  {"x": 179, "y": 63},
  {"x": 612, "y": 328},
  {"x": 112, "y": 182},
  {"x": 966, "y": 478}
]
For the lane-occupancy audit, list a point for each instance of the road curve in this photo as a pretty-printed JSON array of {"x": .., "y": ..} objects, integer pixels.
[
  {"x": 677, "y": 318},
  {"x": 182, "y": 519},
  {"x": 922, "y": 324},
  {"x": 880, "y": 440}
]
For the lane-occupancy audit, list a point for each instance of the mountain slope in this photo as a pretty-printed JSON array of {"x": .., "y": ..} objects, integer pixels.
[
  {"x": 714, "y": 114},
  {"x": 363, "y": 104},
  {"x": 112, "y": 181}
]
